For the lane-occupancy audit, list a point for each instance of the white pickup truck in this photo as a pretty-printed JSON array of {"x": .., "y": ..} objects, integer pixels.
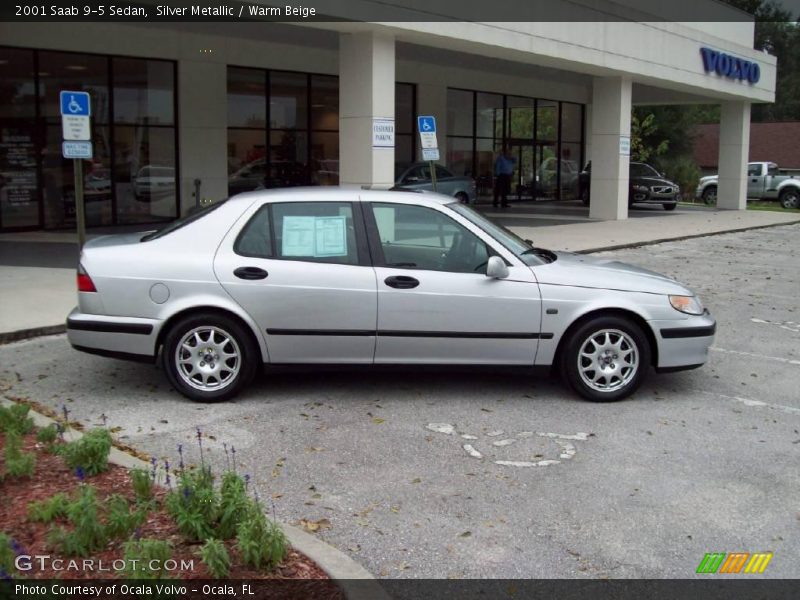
[{"x": 764, "y": 182}]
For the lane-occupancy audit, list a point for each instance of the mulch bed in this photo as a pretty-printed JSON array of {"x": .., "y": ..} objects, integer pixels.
[{"x": 52, "y": 476}]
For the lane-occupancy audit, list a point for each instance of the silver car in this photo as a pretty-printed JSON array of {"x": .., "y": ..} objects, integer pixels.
[
  {"x": 326, "y": 275},
  {"x": 417, "y": 176}
]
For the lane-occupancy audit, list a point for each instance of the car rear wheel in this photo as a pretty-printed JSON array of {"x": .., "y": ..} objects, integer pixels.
[
  {"x": 710, "y": 195},
  {"x": 790, "y": 198},
  {"x": 462, "y": 197},
  {"x": 585, "y": 196},
  {"x": 670, "y": 206},
  {"x": 606, "y": 359},
  {"x": 209, "y": 357}
]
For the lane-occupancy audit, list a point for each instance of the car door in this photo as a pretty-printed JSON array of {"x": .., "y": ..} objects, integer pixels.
[
  {"x": 755, "y": 180},
  {"x": 301, "y": 269},
  {"x": 435, "y": 303}
]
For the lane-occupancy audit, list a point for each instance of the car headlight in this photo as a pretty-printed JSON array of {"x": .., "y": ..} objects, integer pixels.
[
  {"x": 690, "y": 305},
  {"x": 641, "y": 188}
]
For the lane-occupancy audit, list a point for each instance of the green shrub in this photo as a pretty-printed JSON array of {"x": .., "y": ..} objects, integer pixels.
[
  {"x": 15, "y": 419},
  {"x": 87, "y": 534},
  {"x": 142, "y": 485},
  {"x": 7, "y": 555},
  {"x": 120, "y": 520},
  {"x": 260, "y": 541},
  {"x": 233, "y": 505},
  {"x": 90, "y": 452},
  {"x": 215, "y": 556},
  {"x": 194, "y": 504},
  {"x": 141, "y": 555},
  {"x": 18, "y": 463},
  {"x": 47, "y": 435},
  {"x": 48, "y": 510}
]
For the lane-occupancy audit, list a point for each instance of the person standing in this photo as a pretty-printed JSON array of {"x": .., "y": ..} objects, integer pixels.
[{"x": 503, "y": 170}]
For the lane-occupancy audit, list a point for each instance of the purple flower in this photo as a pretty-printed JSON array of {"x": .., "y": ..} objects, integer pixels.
[
  {"x": 186, "y": 493},
  {"x": 65, "y": 412},
  {"x": 153, "y": 462},
  {"x": 104, "y": 418},
  {"x": 166, "y": 468},
  {"x": 17, "y": 548},
  {"x": 200, "y": 443},
  {"x": 233, "y": 453},
  {"x": 246, "y": 481},
  {"x": 180, "y": 453},
  {"x": 80, "y": 474},
  {"x": 4, "y": 575},
  {"x": 137, "y": 533}
]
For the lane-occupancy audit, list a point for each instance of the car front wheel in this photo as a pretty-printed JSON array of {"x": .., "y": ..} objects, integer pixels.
[
  {"x": 209, "y": 357},
  {"x": 710, "y": 195},
  {"x": 606, "y": 359},
  {"x": 670, "y": 205},
  {"x": 790, "y": 198}
]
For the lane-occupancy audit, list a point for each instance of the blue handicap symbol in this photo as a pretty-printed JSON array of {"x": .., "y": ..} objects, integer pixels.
[
  {"x": 75, "y": 103},
  {"x": 426, "y": 124}
]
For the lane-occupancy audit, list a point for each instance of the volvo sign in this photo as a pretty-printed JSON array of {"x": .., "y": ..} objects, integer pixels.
[{"x": 729, "y": 66}]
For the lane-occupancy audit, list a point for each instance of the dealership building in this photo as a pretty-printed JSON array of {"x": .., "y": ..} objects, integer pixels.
[{"x": 186, "y": 112}]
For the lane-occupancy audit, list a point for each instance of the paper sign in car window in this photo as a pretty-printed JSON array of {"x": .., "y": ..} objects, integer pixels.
[
  {"x": 331, "y": 234},
  {"x": 298, "y": 236}
]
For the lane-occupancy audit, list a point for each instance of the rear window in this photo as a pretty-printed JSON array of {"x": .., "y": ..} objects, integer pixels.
[{"x": 193, "y": 215}]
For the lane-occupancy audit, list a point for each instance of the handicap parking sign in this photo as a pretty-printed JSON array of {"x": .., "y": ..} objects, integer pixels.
[
  {"x": 75, "y": 104},
  {"x": 426, "y": 124}
]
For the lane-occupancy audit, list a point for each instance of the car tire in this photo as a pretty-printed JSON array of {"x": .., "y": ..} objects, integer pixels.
[
  {"x": 462, "y": 198},
  {"x": 710, "y": 195},
  {"x": 617, "y": 348},
  {"x": 585, "y": 196},
  {"x": 670, "y": 205},
  {"x": 790, "y": 198},
  {"x": 229, "y": 362}
]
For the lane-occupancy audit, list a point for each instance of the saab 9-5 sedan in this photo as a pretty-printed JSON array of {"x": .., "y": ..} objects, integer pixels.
[{"x": 321, "y": 276}]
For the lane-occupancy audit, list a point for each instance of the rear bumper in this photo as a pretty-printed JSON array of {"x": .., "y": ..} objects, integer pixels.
[
  {"x": 119, "y": 337},
  {"x": 684, "y": 344}
]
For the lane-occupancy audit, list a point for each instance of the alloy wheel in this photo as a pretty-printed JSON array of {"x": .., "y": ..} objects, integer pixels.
[
  {"x": 608, "y": 360},
  {"x": 208, "y": 358}
]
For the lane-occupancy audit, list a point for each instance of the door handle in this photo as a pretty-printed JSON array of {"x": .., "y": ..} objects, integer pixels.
[
  {"x": 250, "y": 273},
  {"x": 401, "y": 282}
]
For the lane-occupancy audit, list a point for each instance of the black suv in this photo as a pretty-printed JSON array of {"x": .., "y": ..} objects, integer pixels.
[{"x": 647, "y": 186}]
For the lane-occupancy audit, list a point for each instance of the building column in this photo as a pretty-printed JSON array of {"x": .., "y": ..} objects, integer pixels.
[
  {"x": 366, "y": 92},
  {"x": 611, "y": 120},
  {"x": 202, "y": 129},
  {"x": 734, "y": 149}
]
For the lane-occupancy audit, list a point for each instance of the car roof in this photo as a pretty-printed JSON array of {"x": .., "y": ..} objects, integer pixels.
[{"x": 349, "y": 194}]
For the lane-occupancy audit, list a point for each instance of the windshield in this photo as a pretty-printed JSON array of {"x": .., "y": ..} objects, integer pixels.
[
  {"x": 193, "y": 215},
  {"x": 643, "y": 170},
  {"x": 510, "y": 240}
]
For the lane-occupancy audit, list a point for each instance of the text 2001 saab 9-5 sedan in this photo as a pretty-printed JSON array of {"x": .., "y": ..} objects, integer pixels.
[{"x": 307, "y": 276}]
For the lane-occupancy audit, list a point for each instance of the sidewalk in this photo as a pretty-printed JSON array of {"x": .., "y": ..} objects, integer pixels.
[{"x": 40, "y": 297}]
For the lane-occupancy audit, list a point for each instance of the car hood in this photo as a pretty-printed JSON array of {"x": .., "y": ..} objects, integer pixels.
[
  {"x": 602, "y": 273},
  {"x": 651, "y": 181}
]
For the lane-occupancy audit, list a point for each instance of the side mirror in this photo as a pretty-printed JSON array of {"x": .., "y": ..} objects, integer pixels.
[{"x": 496, "y": 268}]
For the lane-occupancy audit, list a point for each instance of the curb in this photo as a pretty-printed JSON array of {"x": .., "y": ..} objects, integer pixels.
[
  {"x": 25, "y": 334},
  {"x": 354, "y": 580},
  {"x": 679, "y": 238}
]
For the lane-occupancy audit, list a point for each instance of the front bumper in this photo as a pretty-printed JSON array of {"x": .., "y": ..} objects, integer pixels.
[
  {"x": 684, "y": 343},
  {"x": 118, "y": 337}
]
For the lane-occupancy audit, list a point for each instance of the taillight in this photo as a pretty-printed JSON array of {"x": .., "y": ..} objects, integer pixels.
[{"x": 85, "y": 283}]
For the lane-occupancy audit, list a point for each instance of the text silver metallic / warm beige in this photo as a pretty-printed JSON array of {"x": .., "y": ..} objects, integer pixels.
[{"x": 373, "y": 277}]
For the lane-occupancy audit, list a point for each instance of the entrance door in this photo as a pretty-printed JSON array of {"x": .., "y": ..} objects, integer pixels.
[
  {"x": 523, "y": 181},
  {"x": 546, "y": 171}
]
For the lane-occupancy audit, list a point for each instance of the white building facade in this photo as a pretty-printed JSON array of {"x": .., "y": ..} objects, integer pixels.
[{"x": 190, "y": 112}]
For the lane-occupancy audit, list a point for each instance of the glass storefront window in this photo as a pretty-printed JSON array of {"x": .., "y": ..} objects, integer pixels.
[
  {"x": 488, "y": 115},
  {"x": 288, "y": 101},
  {"x": 144, "y": 174},
  {"x": 519, "y": 115},
  {"x": 459, "y": 155},
  {"x": 143, "y": 91},
  {"x": 324, "y": 158},
  {"x": 71, "y": 71},
  {"x": 288, "y": 159},
  {"x": 18, "y": 89},
  {"x": 459, "y": 112},
  {"x": 246, "y": 93},
  {"x": 546, "y": 120},
  {"x": 19, "y": 195},
  {"x": 570, "y": 169},
  {"x": 324, "y": 103},
  {"x": 571, "y": 122}
]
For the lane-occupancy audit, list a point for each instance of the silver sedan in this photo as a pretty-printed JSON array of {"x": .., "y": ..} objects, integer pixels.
[{"x": 314, "y": 276}]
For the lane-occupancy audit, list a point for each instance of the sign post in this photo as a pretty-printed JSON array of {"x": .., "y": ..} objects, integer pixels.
[
  {"x": 429, "y": 144},
  {"x": 77, "y": 145}
]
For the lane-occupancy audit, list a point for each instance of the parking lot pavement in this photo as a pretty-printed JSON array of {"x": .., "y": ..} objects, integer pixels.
[{"x": 699, "y": 461}]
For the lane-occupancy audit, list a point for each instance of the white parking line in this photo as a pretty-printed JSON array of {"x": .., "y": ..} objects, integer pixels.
[
  {"x": 787, "y": 361},
  {"x": 791, "y": 410}
]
